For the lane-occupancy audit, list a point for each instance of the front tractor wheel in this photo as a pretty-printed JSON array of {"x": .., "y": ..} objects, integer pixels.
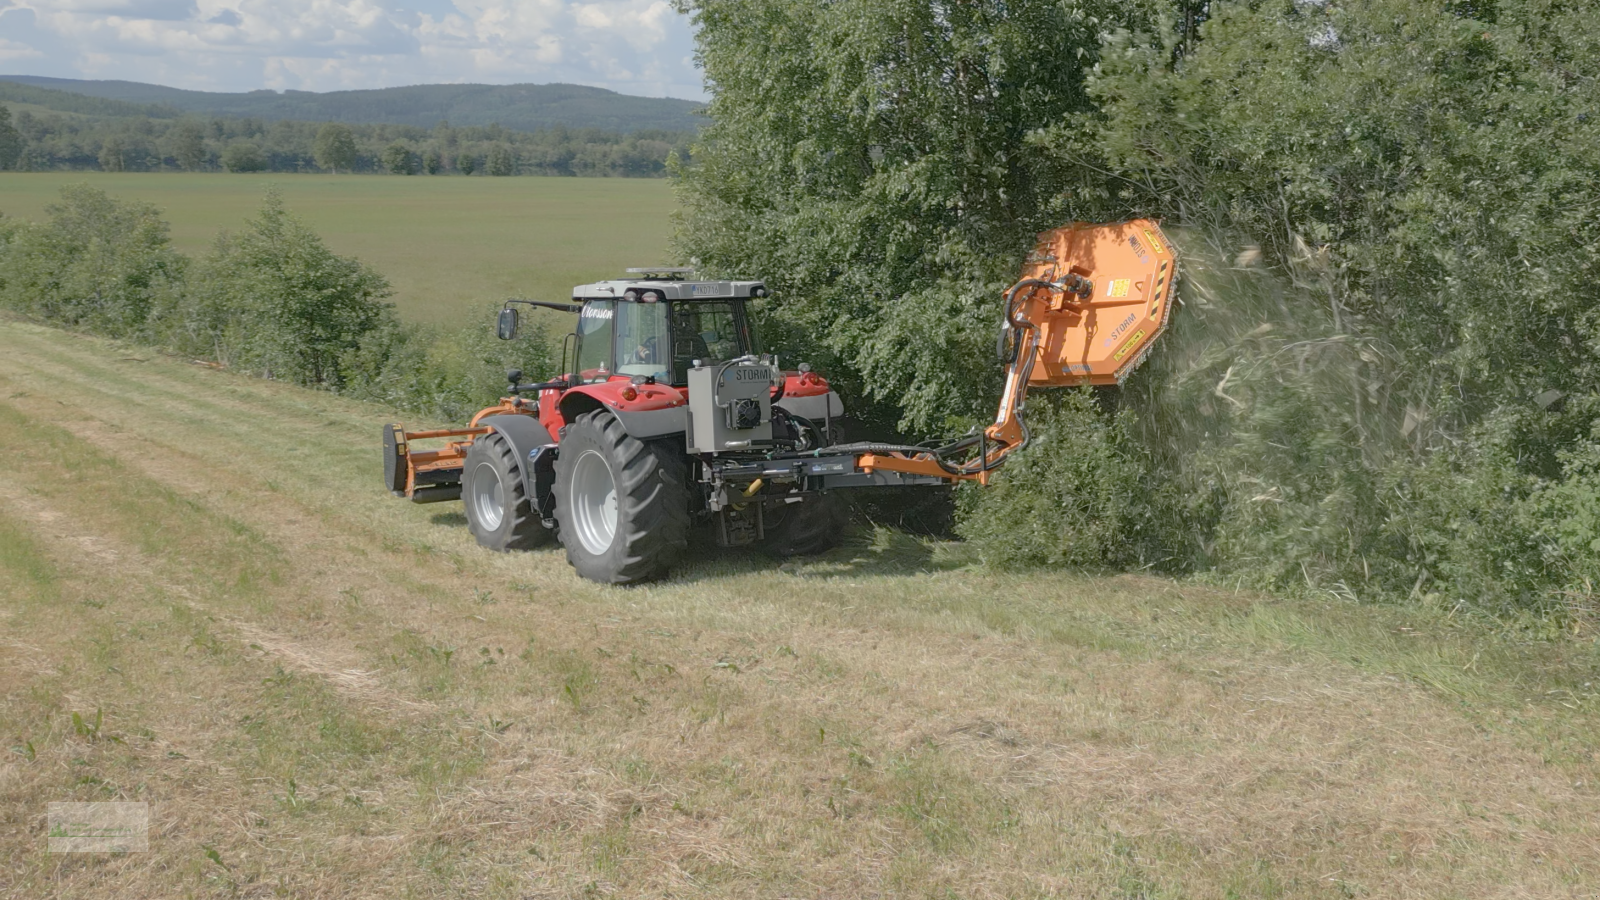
[
  {"x": 499, "y": 512},
  {"x": 622, "y": 503}
]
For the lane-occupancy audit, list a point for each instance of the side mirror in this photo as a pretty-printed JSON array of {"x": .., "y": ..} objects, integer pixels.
[{"x": 509, "y": 320}]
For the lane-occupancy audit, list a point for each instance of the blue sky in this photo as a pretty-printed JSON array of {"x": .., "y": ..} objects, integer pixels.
[{"x": 632, "y": 46}]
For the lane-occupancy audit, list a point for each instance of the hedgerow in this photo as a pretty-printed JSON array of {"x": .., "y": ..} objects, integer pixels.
[{"x": 270, "y": 299}]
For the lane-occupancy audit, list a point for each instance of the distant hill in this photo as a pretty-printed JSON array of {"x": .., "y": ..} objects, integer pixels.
[
  {"x": 80, "y": 104},
  {"x": 522, "y": 107}
]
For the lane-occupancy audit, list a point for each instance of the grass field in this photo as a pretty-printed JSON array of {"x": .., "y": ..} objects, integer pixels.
[
  {"x": 446, "y": 244},
  {"x": 208, "y": 603}
]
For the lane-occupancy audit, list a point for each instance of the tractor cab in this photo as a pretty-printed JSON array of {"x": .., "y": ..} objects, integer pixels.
[{"x": 658, "y": 326}]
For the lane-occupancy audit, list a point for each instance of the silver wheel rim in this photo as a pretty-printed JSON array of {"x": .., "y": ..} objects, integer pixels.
[
  {"x": 488, "y": 497},
  {"x": 594, "y": 502}
]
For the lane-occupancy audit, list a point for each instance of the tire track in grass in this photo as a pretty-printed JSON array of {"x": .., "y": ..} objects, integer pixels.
[
  {"x": 133, "y": 564},
  {"x": 70, "y": 485}
]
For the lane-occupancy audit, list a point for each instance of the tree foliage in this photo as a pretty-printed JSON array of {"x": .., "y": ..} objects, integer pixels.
[
  {"x": 275, "y": 299},
  {"x": 244, "y": 156},
  {"x": 871, "y": 160},
  {"x": 1385, "y": 379},
  {"x": 97, "y": 264},
  {"x": 335, "y": 147},
  {"x": 10, "y": 141},
  {"x": 186, "y": 143},
  {"x": 150, "y": 143},
  {"x": 398, "y": 159},
  {"x": 500, "y": 160}
]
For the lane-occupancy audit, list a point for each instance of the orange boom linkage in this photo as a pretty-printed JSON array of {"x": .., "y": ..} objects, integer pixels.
[{"x": 1090, "y": 303}]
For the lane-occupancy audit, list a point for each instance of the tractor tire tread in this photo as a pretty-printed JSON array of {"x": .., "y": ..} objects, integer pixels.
[
  {"x": 527, "y": 530},
  {"x": 653, "y": 500}
]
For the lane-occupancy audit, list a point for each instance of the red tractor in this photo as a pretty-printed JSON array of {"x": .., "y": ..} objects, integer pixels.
[{"x": 668, "y": 416}]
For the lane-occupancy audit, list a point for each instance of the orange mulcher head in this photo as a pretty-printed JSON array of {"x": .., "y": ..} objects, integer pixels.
[{"x": 1099, "y": 333}]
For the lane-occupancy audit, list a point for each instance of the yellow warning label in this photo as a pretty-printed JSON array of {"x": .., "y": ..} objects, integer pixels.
[
  {"x": 1117, "y": 288},
  {"x": 1155, "y": 243},
  {"x": 1131, "y": 343}
]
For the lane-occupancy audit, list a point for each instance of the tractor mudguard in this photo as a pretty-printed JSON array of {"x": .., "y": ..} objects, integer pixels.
[
  {"x": 528, "y": 438},
  {"x": 817, "y": 407},
  {"x": 653, "y": 423}
]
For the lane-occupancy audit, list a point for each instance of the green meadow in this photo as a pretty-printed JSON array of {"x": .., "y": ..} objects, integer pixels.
[{"x": 445, "y": 243}]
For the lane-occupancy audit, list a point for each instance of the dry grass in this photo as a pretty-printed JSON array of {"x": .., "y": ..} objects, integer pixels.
[{"x": 326, "y": 693}]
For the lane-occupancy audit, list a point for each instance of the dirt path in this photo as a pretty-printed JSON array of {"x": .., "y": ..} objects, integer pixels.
[{"x": 327, "y": 693}]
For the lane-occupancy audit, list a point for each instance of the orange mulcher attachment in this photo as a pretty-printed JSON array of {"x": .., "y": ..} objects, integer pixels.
[
  {"x": 1091, "y": 301},
  {"x": 429, "y": 476}
]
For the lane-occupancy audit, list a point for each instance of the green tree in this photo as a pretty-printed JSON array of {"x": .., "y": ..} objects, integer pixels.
[
  {"x": 335, "y": 147},
  {"x": 274, "y": 298},
  {"x": 466, "y": 163},
  {"x": 398, "y": 159},
  {"x": 10, "y": 140},
  {"x": 187, "y": 144},
  {"x": 243, "y": 156},
  {"x": 500, "y": 160},
  {"x": 113, "y": 154},
  {"x": 432, "y": 161}
]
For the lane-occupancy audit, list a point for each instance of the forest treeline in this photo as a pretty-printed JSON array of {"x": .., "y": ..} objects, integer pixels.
[
  {"x": 269, "y": 299},
  {"x": 1384, "y": 378},
  {"x": 115, "y": 136}
]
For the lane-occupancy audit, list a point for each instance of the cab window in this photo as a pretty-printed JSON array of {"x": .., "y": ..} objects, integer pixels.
[
  {"x": 707, "y": 330},
  {"x": 643, "y": 343},
  {"x": 595, "y": 328}
]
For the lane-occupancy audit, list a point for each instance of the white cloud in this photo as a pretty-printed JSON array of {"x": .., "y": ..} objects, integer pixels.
[{"x": 632, "y": 46}]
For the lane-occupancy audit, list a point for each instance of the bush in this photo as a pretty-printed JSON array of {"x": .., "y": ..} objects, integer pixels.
[
  {"x": 442, "y": 375},
  {"x": 96, "y": 263},
  {"x": 273, "y": 299},
  {"x": 1081, "y": 496}
]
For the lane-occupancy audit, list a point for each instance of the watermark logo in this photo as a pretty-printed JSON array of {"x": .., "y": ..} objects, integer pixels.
[{"x": 98, "y": 827}]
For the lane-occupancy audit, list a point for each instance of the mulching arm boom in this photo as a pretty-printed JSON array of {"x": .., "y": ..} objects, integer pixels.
[{"x": 1090, "y": 302}]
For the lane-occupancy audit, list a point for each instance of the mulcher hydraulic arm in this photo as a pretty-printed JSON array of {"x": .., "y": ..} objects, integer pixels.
[{"x": 1091, "y": 301}]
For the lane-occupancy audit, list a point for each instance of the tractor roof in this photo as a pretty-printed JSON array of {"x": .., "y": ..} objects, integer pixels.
[{"x": 669, "y": 287}]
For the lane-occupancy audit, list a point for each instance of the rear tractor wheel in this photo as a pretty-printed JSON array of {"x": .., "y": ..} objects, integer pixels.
[
  {"x": 500, "y": 514},
  {"x": 622, "y": 503}
]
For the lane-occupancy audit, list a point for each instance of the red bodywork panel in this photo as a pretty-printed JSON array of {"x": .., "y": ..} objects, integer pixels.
[{"x": 647, "y": 397}]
